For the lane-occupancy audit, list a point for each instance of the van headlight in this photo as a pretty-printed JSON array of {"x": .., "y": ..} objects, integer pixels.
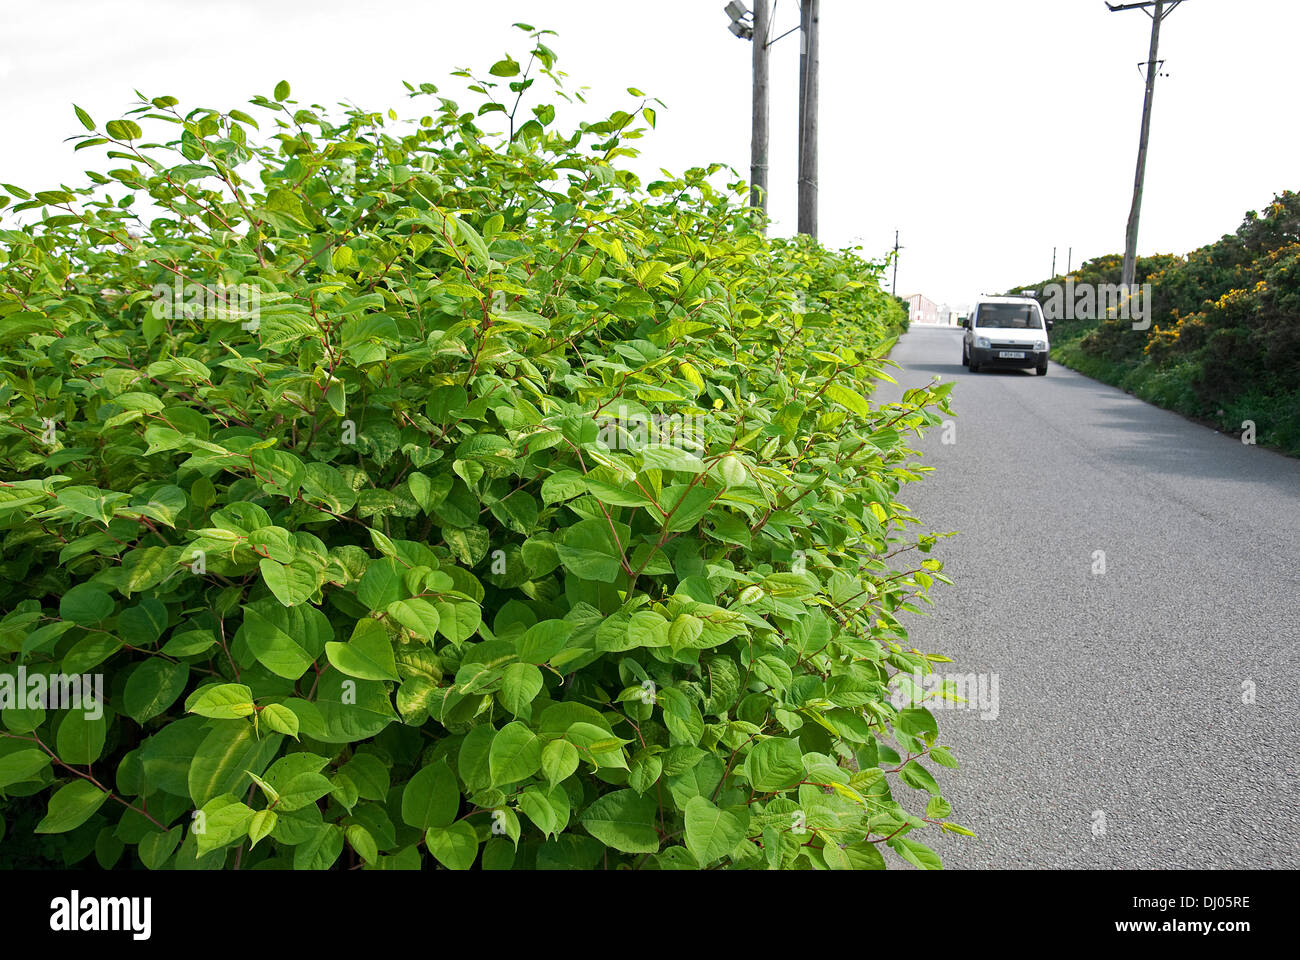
[
  {"x": 1040, "y": 346},
  {"x": 982, "y": 342}
]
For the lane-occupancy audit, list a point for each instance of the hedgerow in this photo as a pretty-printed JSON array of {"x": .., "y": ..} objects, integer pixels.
[{"x": 428, "y": 495}]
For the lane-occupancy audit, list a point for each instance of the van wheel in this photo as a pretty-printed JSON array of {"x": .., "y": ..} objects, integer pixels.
[
  {"x": 965, "y": 357},
  {"x": 1042, "y": 371}
]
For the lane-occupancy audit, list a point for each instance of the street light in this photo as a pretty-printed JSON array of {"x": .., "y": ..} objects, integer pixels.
[{"x": 742, "y": 20}]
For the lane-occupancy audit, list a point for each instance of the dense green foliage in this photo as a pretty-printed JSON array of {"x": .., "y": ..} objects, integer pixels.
[
  {"x": 1224, "y": 344},
  {"x": 399, "y": 562}
]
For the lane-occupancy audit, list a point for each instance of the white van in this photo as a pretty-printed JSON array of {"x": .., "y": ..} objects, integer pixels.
[{"x": 1006, "y": 332}]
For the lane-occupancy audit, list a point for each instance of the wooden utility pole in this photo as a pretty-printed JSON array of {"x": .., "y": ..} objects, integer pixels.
[
  {"x": 1054, "y": 263},
  {"x": 1162, "y": 9},
  {"x": 759, "y": 137},
  {"x": 894, "y": 288},
  {"x": 809, "y": 16}
]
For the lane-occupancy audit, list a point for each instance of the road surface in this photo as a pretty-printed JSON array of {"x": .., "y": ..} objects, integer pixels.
[{"x": 1147, "y": 716}]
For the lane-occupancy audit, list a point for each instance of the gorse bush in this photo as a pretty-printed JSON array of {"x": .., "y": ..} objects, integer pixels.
[
  {"x": 1224, "y": 343},
  {"x": 425, "y": 495}
]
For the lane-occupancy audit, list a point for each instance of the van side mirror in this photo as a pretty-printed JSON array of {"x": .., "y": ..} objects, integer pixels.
[{"x": 1050, "y": 324}]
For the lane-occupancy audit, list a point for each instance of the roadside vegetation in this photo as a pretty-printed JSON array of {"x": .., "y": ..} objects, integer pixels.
[
  {"x": 1224, "y": 342},
  {"x": 426, "y": 496}
]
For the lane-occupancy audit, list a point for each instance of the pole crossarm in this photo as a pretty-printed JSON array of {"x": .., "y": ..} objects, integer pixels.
[{"x": 1145, "y": 7}]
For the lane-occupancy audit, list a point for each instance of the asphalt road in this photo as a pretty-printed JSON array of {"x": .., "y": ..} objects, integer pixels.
[{"x": 1120, "y": 737}]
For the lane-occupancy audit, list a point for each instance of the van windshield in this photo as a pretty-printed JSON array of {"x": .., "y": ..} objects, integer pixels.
[{"x": 1009, "y": 316}]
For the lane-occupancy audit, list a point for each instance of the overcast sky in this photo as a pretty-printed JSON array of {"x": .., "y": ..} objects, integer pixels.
[{"x": 988, "y": 133}]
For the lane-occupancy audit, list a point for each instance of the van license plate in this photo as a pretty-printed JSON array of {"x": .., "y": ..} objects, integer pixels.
[{"x": 1010, "y": 355}]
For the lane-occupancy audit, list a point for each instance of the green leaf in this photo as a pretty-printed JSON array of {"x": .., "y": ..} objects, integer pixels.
[
  {"x": 260, "y": 826},
  {"x": 296, "y": 781},
  {"x": 22, "y": 765},
  {"x": 280, "y": 719},
  {"x": 282, "y": 90},
  {"x": 915, "y": 853},
  {"x": 368, "y": 655},
  {"x": 559, "y": 761},
  {"x": 774, "y": 764},
  {"x": 458, "y": 620},
  {"x": 623, "y": 820},
  {"x": 345, "y": 709},
  {"x": 157, "y": 846},
  {"x": 81, "y": 738},
  {"x": 657, "y": 456},
  {"x": 142, "y": 569},
  {"x": 644, "y": 772},
  {"x": 360, "y": 839},
  {"x": 684, "y": 631},
  {"x": 381, "y": 584},
  {"x": 711, "y": 833},
  {"x": 544, "y": 640},
  {"x": 292, "y": 583},
  {"x": 369, "y": 774},
  {"x": 417, "y": 615},
  {"x": 225, "y": 820},
  {"x": 86, "y": 604},
  {"x": 431, "y": 797},
  {"x": 285, "y": 641},
  {"x": 848, "y": 398},
  {"x": 915, "y": 775},
  {"x": 221, "y": 700},
  {"x": 166, "y": 757},
  {"x": 320, "y": 850},
  {"x": 454, "y": 846},
  {"x": 857, "y": 856},
  {"x": 938, "y": 808},
  {"x": 123, "y": 130},
  {"x": 516, "y": 753},
  {"x": 227, "y": 753},
  {"x": 597, "y": 745},
  {"x": 70, "y": 806},
  {"x": 520, "y": 684}
]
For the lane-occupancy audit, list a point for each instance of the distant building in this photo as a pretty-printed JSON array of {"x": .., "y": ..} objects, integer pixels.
[
  {"x": 922, "y": 309},
  {"x": 948, "y": 316}
]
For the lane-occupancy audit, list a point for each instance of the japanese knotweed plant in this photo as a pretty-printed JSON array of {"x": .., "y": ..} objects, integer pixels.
[{"x": 423, "y": 495}]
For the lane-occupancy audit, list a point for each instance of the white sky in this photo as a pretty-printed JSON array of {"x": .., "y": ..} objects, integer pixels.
[{"x": 986, "y": 132}]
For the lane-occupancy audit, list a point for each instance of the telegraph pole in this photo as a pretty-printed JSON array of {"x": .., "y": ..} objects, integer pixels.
[
  {"x": 759, "y": 137},
  {"x": 1162, "y": 9},
  {"x": 1054, "y": 263},
  {"x": 894, "y": 289},
  {"x": 809, "y": 64},
  {"x": 755, "y": 26}
]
